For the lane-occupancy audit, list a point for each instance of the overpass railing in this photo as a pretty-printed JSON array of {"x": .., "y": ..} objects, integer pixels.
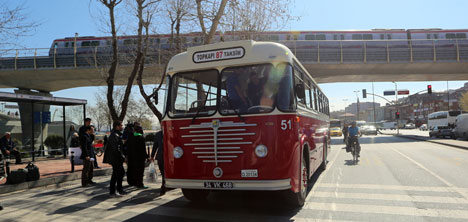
[{"x": 312, "y": 52}]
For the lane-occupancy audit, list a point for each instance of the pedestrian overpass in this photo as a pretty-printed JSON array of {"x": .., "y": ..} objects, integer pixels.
[{"x": 327, "y": 61}]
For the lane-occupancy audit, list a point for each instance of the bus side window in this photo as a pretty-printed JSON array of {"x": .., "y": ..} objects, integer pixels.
[
  {"x": 307, "y": 94},
  {"x": 298, "y": 80}
]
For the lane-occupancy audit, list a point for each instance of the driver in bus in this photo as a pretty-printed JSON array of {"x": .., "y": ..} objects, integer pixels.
[
  {"x": 235, "y": 94},
  {"x": 353, "y": 135},
  {"x": 255, "y": 89}
]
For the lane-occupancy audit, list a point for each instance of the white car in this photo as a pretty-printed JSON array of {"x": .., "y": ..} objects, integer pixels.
[{"x": 410, "y": 126}]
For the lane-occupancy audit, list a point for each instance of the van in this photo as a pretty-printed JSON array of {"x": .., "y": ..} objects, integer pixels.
[{"x": 461, "y": 127}]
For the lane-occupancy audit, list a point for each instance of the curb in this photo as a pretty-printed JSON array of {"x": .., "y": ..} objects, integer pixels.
[
  {"x": 432, "y": 141},
  {"x": 50, "y": 181}
]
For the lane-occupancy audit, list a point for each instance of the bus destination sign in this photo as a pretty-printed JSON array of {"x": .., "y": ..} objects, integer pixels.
[{"x": 218, "y": 55}]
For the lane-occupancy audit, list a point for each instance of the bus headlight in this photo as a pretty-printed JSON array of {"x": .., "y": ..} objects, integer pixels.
[
  {"x": 177, "y": 152},
  {"x": 261, "y": 151}
]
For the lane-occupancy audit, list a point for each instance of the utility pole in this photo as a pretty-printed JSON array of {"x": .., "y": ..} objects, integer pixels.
[
  {"x": 373, "y": 103},
  {"x": 448, "y": 97},
  {"x": 357, "y": 105},
  {"x": 396, "y": 107},
  {"x": 345, "y": 110}
]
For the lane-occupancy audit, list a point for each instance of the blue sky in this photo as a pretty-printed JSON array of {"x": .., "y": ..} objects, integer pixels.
[{"x": 62, "y": 18}]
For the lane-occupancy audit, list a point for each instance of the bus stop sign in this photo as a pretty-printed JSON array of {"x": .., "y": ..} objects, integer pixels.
[{"x": 389, "y": 93}]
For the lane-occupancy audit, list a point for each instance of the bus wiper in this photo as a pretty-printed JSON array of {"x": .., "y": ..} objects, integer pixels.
[
  {"x": 230, "y": 104},
  {"x": 203, "y": 105}
]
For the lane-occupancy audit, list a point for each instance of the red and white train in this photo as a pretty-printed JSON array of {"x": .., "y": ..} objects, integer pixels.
[{"x": 84, "y": 44}]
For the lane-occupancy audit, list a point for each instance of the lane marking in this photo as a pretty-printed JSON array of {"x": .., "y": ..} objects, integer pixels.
[
  {"x": 329, "y": 165},
  {"x": 388, "y": 187},
  {"x": 450, "y": 185},
  {"x": 304, "y": 219},
  {"x": 392, "y": 197},
  {"x": 378, "y": 209}
]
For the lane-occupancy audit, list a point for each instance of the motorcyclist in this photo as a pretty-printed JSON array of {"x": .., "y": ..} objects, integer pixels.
[{"x": 353, "y": 135}]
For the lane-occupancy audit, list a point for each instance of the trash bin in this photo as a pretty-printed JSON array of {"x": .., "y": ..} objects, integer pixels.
[{"x": 76, "y": 155}]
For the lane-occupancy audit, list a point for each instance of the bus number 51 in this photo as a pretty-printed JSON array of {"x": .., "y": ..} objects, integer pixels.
[{"x": 285, "y": 124}]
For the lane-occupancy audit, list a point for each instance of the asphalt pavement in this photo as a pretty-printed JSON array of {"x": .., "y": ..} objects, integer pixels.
[{"x": 397, "y": 179}]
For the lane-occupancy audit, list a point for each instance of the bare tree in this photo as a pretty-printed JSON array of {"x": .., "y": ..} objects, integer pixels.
[
  {"x": 253, "y": 16},
  {"x": 140, "y": 6},
  {"x": 209, "y": 13},
  {"x": 178, "y": 11},
  {"x": 14, "y": 24}
]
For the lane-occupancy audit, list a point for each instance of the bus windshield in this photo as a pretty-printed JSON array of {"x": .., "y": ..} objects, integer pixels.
[
  {"x": 256, "y": 89},
  {"x": 244, "y": 90}
]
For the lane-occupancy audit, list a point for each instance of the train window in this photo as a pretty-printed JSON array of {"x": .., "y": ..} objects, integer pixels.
[
  {"x": 95, "y": 43},
  {"x": 85, "y": 43},
  {"x": 461, "y": 35},
  {"x": 389, "y": 36},
  {"x": 295, "y": 37},
  {"x": 108, "y": 42},
  {"x": 66, "y": 44},
  {"x": 127, "y": 42},
  {"x": 382, "y": 36},
  {"x": 72, "y": 44},
  {"x": 321, "y": 37},
  {"x": 342, "y": 36},
  {"x": 195, "y": 39},
  {"x": 436, "y": 36},
  {"x": 335, "y": 37},
  {"x": 428, "y": 36},
  {"x": 367, "y": 37},
  {"x": 274, "y": 38},
  {"x": 310, "y": 37},
  {"x": 356, "y": 37}
]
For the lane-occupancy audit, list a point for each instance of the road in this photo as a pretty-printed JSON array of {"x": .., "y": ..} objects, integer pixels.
[{"x": 397, "y": 179}]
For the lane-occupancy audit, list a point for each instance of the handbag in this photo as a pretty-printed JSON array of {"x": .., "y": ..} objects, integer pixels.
[{"x": 151, "y": 175}]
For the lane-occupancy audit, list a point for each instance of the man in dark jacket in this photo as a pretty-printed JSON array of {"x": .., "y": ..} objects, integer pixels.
[
  {"x": 87, "y": 157},
  {"x": 114, "y": 156},
  {"x": 7, "y": 146},
  {"x": 158, "y": 150}
]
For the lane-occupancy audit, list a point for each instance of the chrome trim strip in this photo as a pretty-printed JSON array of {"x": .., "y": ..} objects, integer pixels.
[
  {"x": 217, "y": 161},
  {"x": 210, "y": 131},
  {"x": 212, "y": 144},
  {"x": 219, "y": 148},
  {"x": 220, "y": 152},
  {"x": 226, "y": 134},
  {"x": 212, "y": 157},
  {"x": 219, "y": 139},
  {"x": 282, "y": 184},
  {"x": 200, "y": 135}
]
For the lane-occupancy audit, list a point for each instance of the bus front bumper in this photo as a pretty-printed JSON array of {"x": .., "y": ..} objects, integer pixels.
[{"x": 283, "y": 184}]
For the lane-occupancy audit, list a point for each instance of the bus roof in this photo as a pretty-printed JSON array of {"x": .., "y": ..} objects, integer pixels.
[{"x": 229, "y": 54}]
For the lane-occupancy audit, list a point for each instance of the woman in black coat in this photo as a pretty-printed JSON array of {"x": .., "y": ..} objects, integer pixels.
[{"x": 137, "y": 156}]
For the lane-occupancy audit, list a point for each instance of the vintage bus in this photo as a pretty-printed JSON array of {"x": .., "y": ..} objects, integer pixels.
[{"x": 243, "y": 115}]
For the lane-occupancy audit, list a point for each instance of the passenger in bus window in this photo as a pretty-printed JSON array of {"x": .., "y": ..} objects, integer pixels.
[
  {"x": 235, "y": 94},
  {"x": 255, "y": 89}
]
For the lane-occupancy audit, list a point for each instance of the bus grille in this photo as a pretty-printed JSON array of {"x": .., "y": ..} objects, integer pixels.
[{"x": 216, "y": 141}]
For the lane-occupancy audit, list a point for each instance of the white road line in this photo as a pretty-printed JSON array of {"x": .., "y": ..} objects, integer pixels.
[
  {"x": 330, "y": 164},
  {"x": 391, "y": 197},
  {"x": 376, "y": 209},
  {"x": 303, "y": 219},
  {"x": 450, "y": 185},
  {"x": 389, "y": 187}
]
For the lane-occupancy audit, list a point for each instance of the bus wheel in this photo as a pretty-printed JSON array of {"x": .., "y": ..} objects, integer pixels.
[
  {"x": 297, "y": 199},
  {"x": 195, "y": 195},
  {"x": 323, "y": 166}
]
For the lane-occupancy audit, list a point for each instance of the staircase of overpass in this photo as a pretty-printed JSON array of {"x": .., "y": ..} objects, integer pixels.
[{"x": 327, "y": 61}]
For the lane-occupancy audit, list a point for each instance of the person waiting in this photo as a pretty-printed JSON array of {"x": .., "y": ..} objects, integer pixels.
[{"x": 8, "y": 147}]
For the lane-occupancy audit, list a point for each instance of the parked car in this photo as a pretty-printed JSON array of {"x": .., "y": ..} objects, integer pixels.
[
  {"x": 336, "y": 131},
  {"x": 461, "y": 127},
  {"x": 368, "y": 130},
  {"x": 423, "y": 127},
  {"x": 410, "y": 126},
  {"x": 441, "y": 131},
  {"x": 389, "y": 125}
]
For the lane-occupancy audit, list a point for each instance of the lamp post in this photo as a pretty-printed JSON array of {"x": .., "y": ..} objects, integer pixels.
[
  {"x": 344, "y": 100},
  {"x": 396, "y": 107},
  {"x": 357, "y": 105}
]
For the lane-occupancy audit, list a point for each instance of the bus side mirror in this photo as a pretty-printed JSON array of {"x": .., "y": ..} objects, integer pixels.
[
  {"x": 156, "y": 98},
  {"x": 300, "y": 91}
]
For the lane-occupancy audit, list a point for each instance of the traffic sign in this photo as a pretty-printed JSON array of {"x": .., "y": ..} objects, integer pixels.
[
  {"x": 389, "y": 93},
  {"x": 403, "y": 92}
]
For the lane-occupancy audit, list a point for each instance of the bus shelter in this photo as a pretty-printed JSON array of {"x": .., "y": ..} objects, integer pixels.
[{"x": 32, "y": 118}]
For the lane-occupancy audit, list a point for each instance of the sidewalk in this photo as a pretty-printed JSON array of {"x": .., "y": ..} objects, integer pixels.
[
  {"x": 424, "y": 136},
  {"x": 53, "y": 171}
]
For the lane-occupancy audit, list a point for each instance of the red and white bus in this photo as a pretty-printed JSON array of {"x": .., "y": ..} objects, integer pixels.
[{"x": 243, "y": 115}]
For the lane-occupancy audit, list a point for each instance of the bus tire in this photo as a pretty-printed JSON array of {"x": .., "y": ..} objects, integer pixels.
[
  {"x": 195, "y": 195},
  {"x": 323, "y": 166},
  {"x": 297, "y": 200}
]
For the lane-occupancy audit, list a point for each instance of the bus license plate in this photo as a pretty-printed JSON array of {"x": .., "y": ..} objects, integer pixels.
[
  {"x": 249, "y": 173},
  {"x": 219, "y": 185}
]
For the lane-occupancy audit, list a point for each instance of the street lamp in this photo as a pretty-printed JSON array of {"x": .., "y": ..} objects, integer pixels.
[
  {"x": 344, "y": 100},
  {"x": 396, "y": 107},
  {"x": 357, "y": 105}
]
